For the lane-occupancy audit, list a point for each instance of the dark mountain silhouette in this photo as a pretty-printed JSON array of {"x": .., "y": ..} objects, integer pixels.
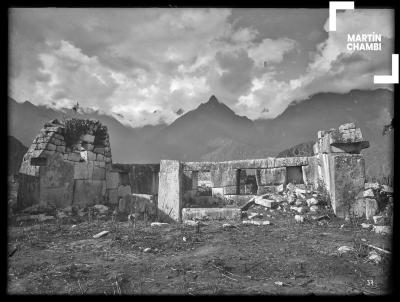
[
  {"x": 214, "y": 132},
  {"x": 303, "y": 149},
  {"x": 128, "y": 144},
  {"x": 201, "y": 130}
]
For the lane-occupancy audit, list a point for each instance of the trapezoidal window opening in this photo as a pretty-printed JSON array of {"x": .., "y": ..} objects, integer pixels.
[
  {"x": 246, "y": 182},
  {"x": 204, "y": 185},
  {"x": 294, "y": 175}
]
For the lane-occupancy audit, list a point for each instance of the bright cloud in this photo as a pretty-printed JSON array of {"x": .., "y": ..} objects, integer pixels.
[{"x": 147, "y": 63}]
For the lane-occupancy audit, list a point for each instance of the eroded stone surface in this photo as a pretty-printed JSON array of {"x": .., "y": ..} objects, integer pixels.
[{"x": 211, "y": 213}]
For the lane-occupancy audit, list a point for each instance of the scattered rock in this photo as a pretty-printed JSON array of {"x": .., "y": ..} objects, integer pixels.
[
  {"x": 299, "y": 210},
  {"x": 298, "y": 202},
  {"x": 44, "y": 217},
  {"x": 265, "y": 222},
  {"x": 227, "y": 226},
  {"x": 291, "y": 199},
  {"x": 345, "y": 249},
  {"x": 101, "y": 208},
  {"x": 374, "y": 257},
  {"x": 248, "y": 204},
  {"x": 369, "y": 193},
  {"x": 371, "y": 185},
  {"x": 254, "y": 215},
  {"x": 101, "y": 234},
  {"x": 154, "y": 224},
  {"x": 300, "y": 195},
  {"x": 383, "y": 230},
  {"x": 268, "y": 203},
  {"x": 290, "y": 187},
  {"x": 191, "y": 222},
  {"x": 300, "y": 191},
  {"x": 378, "y": 219},
  {"x": 299, "y": 218},
  {"x": 279, "y": 283},
  {"x": 184, "y": 239},
  {"x": 312, "y": 202},
  {"x": 366, "y": 225},
  {"x": 147, "y": 250}
]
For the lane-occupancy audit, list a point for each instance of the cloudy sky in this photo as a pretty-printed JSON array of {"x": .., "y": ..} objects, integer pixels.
[{"x": 146, "y": 64}]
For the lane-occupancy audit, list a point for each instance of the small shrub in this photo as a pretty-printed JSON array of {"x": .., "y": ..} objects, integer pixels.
[{"x": 75, "y": 128}]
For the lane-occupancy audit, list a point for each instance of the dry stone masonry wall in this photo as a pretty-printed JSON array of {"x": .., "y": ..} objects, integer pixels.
[
  {"x": 54, "y": 171},
  {"x": 337, "y": 165}
]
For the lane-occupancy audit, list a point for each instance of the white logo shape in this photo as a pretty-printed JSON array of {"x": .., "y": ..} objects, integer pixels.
[
  {"x": 390, "y": 79},
  {"x": 333, "y": 7}
]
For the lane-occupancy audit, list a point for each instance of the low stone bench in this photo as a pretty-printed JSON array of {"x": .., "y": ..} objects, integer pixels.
[{"x": 211, "y": 213}]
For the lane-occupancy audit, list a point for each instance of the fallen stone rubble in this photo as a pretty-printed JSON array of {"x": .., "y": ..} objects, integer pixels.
[
  {"x": 301, "y": 203},
  {"x": 291, "y": 198}
]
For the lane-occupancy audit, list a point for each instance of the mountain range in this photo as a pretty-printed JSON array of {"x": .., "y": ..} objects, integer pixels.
[{"x": 213, "y": 132}]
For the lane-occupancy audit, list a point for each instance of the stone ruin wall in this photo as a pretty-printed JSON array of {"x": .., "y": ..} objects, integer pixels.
[
  {"x": 85, "y": 175},
  {"x": 136, "y": 188},
  {"x": 337, "y": 164},
  {"x": 54, "y": 173}
]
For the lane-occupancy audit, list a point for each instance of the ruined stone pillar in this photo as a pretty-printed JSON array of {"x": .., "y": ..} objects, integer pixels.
[
  {"x": 341, "y": 166},
  {"x": 170, "y": 190}
]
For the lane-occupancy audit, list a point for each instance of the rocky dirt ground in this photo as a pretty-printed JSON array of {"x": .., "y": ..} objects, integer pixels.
[{"x": 60, "y": 256}]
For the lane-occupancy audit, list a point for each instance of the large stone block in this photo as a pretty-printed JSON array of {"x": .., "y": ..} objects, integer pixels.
[
  {"x": 74, "y": 156},
  {"x": 112, "y": 179},
  {"x": 112, "y": 196},
  {"x": 81, "y": 170},
  {"x": 124, "y": 190},
  {"x": 211, "y": 213},
  {"x": 347, "y": 126},
  {"x": 99, "y": 150},
  {"x": 60, "y": 149},
  {"x": 170, "y": 189},
  {"x": 57, "y": 182},
  {"x": 99, "y": 173},
  {"x": 273, "y": 176},
  {"x": 347, "y": 178},
  {"x": 310, "y": 172},
  {"x": 28, "y": 191},
  {"x": 345, "y": 136},
  {"x": 89, "y": 192}
]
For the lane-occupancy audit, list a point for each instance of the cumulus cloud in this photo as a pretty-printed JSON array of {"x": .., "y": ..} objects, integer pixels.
[
  {"x": 332, "y": 68},
  {"x": 271, "y": 51},
  {"x": 146, "y": 64}
]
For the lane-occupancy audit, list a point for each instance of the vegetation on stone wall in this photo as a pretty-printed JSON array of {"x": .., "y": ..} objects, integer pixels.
[
  {"x": 100, "y": 135},
  {"x": 75, "y": 128}
]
